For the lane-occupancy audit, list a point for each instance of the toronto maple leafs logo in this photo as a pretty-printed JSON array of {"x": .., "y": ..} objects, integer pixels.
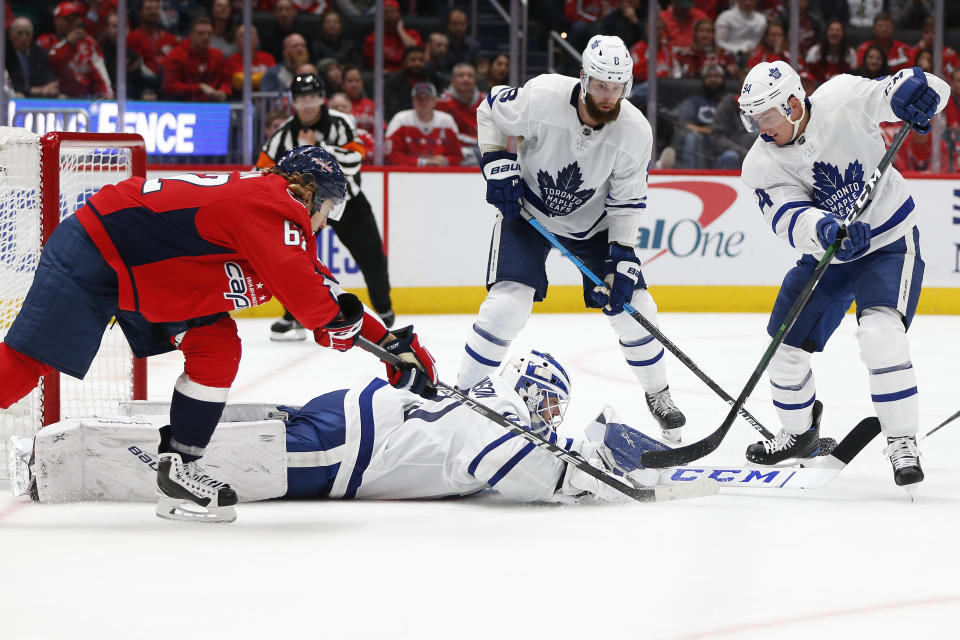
[
  {"x": 834, "y": 192},
  {"x": 563, "y": 195},
  {"x": 775, "y": 73}
]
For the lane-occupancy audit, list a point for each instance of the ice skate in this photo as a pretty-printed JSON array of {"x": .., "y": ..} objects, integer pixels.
[
  {"x": 905, "y": 458},
  {"x": 388, "y": 317},
  {"x": 788, "y": 445},
  {"x": 666, "y": 413},
  {"x": 190, "y": 495},
  {"x": 287, "y": 329}
]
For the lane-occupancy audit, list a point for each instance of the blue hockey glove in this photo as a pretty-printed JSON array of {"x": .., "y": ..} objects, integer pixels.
[
  {"x": 915, "y": 101},
  {"x": 623, "y": 275},
  {"x": 856, "y": 239},
  {"x": 502, "y": 173}
]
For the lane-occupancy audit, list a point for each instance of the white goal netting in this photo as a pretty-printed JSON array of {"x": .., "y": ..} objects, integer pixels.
[{"x": 58, "y": 174}]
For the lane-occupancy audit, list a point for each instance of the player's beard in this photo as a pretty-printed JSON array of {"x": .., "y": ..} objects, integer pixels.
[{"x": 596, "y": 114}]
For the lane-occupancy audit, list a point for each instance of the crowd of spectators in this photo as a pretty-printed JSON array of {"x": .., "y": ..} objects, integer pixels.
[{"x": 189, "y": 50}]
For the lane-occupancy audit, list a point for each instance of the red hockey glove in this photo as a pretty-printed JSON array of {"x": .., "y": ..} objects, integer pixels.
[
  {"x": 340, "y": 333},
  {"x": 419, "y": 374}
]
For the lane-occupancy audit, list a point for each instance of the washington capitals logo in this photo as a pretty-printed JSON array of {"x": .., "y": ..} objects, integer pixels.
[
  {"x": 834, "y": 192},
  {"x": 563, "y": 196},
  {"x": 775, "y": 73},
  {"x": 326, "y": 165}
]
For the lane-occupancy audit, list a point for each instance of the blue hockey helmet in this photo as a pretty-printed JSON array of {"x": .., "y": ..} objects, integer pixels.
[
  {"x": 542, "y": 384},
  {"x": 318, "y": 168}
]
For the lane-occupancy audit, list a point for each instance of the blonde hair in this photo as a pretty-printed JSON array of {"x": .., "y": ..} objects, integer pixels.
[{"x": 296, "y": 183}]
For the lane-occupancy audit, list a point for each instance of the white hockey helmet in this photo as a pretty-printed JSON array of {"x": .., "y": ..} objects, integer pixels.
[
  {"x": 543, "y": 385},
  {"x": 606, "y": 58},
  {"x": 769, "y": 85}
]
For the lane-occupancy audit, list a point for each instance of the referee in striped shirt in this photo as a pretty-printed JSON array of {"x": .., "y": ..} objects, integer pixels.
[{"x": 314, "y": 123}]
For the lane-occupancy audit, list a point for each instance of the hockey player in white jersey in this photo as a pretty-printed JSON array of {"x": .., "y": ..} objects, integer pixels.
[
  {"x": 369, "y": 441},
  {"x": 808, "y": 169},
  {"x": 581, "y": 170}
]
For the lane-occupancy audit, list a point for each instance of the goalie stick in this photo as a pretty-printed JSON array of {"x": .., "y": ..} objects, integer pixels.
[
  {"x": 646, "y": 324},
  {"x": 688, "y": 453},
  {"x": 640, "y": 494}
]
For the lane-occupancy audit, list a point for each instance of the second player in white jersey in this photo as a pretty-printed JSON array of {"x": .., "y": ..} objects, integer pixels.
[
  {"x": 808, "y": 168},
  {"x": 581, "y": 170}
]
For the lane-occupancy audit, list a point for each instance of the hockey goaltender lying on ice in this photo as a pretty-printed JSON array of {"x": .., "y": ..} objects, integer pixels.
[{"x": 443, "y": 449}]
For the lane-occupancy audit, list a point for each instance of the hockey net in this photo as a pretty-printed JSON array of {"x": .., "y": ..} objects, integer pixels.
[{"x": 43, "y": 180}]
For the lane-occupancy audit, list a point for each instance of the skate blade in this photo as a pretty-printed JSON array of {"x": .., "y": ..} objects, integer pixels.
[
  {"x": 912, "y": 491},
  {"x": 186, "y": 511},
  {"x": 286, "y": 337}
]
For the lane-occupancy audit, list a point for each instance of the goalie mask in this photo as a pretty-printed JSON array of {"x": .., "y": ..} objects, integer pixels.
[
  {"x": 542, "y": 384},
  {"x": 765, "y": 96},
  {"x": 608, "y": 60}
]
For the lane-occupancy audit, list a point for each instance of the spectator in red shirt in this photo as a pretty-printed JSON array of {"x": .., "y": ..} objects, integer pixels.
[
  {"x": 898, "y": 53},
  {"x": 74, "y": 56},
  {"x": 261, "y": 61},
  {"x": 950, "y": 59},
  {"x": 362, "y": 107},
  {"x": 678, "y": 21},
  {"x": 582, "y": 15},
  {"x": 874, "y": 64},
  {"x": 703, "y": 52},
  {"x": 150, "y": 41},
  {"x": 832, "y": 55},
  {"x": 340, "y": 102},
  {"x": 195, "y": 70},
  {"x": 423, "y": 136},
  {"x": 773, "y": 46},
  {"x": 461, "y": 101},
  {"x": 667, "y": 64},
  {"x": 396, "y": 39}
]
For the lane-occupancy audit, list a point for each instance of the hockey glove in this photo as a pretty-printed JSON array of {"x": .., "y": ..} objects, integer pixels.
[
  {"x": 915, "y": 101},
  {"x": 623, "y": 275},
  {"x": 340, "y": 333},
  {"x": 502, "y": 173},
  {"x": 419, "y": 374},
  {"x": 856, "y": 237},
  {"x": 583, "y": 486}
]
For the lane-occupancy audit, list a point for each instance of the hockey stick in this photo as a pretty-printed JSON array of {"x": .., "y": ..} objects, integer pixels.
[
  {"x": 938, "y": 427},
  {"x": 683, "y": 455},
  {"x": 646, "y": 324},
  {"x": 641, "y": 494}
]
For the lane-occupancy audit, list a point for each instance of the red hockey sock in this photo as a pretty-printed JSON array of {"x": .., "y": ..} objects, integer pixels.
[{"x": 19, "y": 374}]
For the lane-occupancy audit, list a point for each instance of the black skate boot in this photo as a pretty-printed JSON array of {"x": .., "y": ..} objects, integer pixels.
[
  {"x": 189, "y": 494},
  {"x": 666, "y": 413},
  {"x": 287, "y": 329},
  {"x": 789, "y": 445},
  {"x": 905, "y": 458},
  {"x": 387, "y": 317}
]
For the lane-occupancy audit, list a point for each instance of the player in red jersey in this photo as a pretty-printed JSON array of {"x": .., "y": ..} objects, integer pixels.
[{"x": 168, "y": 258}]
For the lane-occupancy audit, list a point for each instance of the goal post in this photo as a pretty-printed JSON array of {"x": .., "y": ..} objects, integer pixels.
[{"x": 42, "y": 181}]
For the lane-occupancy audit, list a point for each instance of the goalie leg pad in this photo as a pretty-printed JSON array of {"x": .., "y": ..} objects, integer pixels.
[
  {"x": 20, "y": 374},
  {"x": 885, "y": 350},
  {"x": 502, "y": 316},
  {"x": 792, "y": 388},
  {"x": 643, "y": 352}
]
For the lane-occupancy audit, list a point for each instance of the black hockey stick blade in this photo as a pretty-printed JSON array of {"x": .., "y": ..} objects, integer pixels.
[
  {"x": 686, "y": 454},
  {"x": 640, "y": 494}
]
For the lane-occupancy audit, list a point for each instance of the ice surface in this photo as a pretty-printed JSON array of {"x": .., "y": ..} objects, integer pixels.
[{"x": 852, "y": 560}]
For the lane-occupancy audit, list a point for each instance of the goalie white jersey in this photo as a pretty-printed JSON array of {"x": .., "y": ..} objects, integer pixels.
[
  {"x": 823, "y": 171},
  {"x": 577, "y": 180}
]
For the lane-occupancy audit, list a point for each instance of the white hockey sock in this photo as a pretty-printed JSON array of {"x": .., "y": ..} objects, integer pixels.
[
  {"x": 792, "y": 388},
  {"x": 643, "y": 352},
  {"x": 502, "y": 316},
  {"x": 893, "y": 382}
]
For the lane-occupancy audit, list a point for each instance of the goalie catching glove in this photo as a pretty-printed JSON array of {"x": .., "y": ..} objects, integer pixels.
[
  {"x": 340, "y": 332},
  {"x": 622, "y": 267},
  {"x": 582, "y": 485},
  {"x": 419, "y": 374}
]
